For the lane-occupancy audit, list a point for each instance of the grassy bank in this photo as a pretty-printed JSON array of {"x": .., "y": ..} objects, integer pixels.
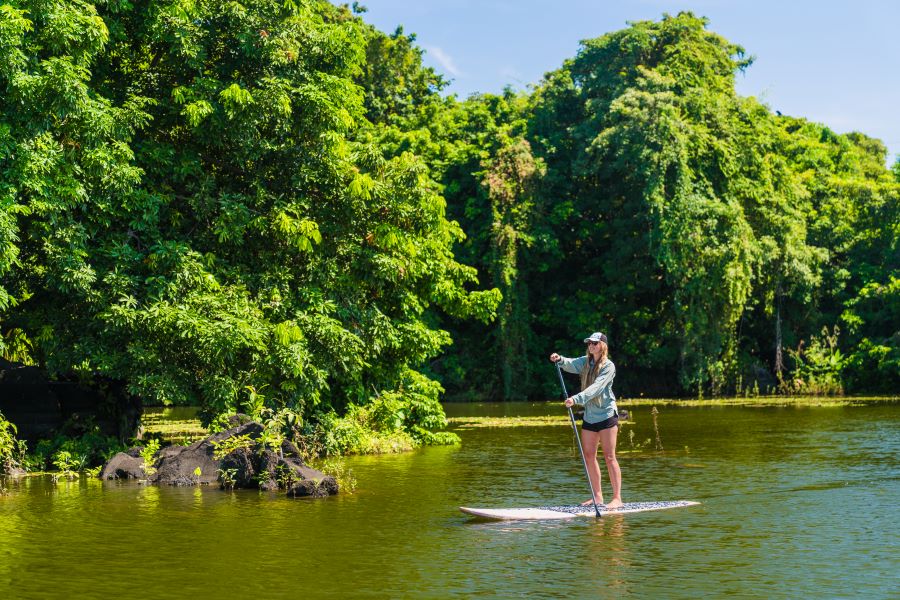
[
  {"x": 176, "y": 426},
  {"x": 562, "y": 419},
  {"x": 763, "y": 401}
]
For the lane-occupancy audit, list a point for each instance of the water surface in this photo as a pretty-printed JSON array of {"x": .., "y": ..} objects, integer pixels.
[{"x": 797, "y": 502}]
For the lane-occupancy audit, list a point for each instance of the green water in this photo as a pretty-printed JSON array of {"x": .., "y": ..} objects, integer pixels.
[{"x": 797, "y": 502}]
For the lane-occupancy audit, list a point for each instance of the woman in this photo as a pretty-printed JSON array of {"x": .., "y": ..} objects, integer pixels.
[{"x": 600, "y": 425}]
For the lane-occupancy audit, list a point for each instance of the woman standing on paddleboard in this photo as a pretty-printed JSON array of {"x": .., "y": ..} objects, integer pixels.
[{"x": 600, "y": 425}]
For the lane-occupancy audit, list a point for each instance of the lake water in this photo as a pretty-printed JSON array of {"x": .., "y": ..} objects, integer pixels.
[{"x": 796, "y": 502}]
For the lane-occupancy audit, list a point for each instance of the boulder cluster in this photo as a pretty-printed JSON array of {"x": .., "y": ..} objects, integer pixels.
[{"x": 249, "y": 463}]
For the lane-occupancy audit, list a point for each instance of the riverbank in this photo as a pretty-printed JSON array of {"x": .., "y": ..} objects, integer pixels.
[
  {"x": 178, "y": 425},
  {"x": 763, "y": 401}
]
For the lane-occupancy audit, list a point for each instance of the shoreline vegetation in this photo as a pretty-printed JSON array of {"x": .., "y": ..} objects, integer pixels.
[
  {"x": 628, "y": 404},
  {"x": 160, "y": 429},
  {"x": 179, "y": 426},
  {"x": 305, "y": 229},
  {"x": 192, "y": 429}
]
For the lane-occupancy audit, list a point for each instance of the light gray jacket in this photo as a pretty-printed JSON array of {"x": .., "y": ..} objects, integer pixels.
[{"x": 598, "y": 399}]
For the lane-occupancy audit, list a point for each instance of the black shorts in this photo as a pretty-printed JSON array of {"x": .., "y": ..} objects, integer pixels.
[{"x": 613, "y": 421}]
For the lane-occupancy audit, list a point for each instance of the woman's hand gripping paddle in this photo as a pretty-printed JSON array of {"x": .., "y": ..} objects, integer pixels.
[{"x": 577, "y": 440}]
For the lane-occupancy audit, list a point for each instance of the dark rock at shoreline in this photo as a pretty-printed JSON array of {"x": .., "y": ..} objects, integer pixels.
[
  {"x": 250, "y": 465},
  {"x": 268, "y": 464},
  {"x": 124, "y": 465},
  {"x": 240, "y": 467},
  {"x": 178, "y": 465},
  {"x": 314, "y": 488},
  {"x": 12, "y": 471},
  {"x": 289, "y": 449}
]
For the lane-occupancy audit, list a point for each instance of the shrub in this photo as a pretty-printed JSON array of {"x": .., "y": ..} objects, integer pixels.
[{"x": 12, "y": 450}]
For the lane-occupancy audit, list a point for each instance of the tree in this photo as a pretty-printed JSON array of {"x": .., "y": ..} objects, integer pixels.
[
  {"x": 218, "y": 224},
  {"x": 510, "y": 179}
]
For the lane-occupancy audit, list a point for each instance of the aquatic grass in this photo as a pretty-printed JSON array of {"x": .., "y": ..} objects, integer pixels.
[
  {"x": 148, "y": 452},
  {"x": 285, "y": 476},
  {"x": 186, "y": 431},
  {"x": 502, "y": 422},
  {"x": 12, "y": 450},
  {"x": 655, "y": 413},
  {"x": 632, "y": 446},
  {"x": 762, "y": 401},
  {"x": 228, "y": 477},
  {"x": 337, "y": 468},
  {"x": 67, "y": 464},
  {"x": 182, "y": 431},
  {"x": 518, "y": 421}
]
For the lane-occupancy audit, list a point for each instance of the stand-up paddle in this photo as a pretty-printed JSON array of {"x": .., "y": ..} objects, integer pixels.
[
  {"x": 570, "y": 511},
  {"x": 577, "y": 441}
]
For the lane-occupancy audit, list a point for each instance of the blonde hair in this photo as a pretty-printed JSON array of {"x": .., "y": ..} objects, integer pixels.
[{"x": 588, "y": 374}]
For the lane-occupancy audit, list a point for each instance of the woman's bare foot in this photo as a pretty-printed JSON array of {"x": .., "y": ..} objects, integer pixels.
[
  {"x": 615, "y": 503},
  {"x": 590, "y": 502}
]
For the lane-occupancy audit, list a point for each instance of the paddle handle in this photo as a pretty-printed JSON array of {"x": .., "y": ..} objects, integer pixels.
[{"x": 577, "y": 439}]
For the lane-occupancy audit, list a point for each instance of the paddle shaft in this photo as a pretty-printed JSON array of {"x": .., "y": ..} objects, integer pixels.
[{"x": 577, "y": 439}]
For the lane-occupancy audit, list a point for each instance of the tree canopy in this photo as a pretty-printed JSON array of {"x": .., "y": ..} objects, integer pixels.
[
  {"x": 271, "y": 204},
  {"x": 194, "y": 203}
]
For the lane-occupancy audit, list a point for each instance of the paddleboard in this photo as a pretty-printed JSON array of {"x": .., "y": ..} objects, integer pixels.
[{"x": 569, "y": 511}]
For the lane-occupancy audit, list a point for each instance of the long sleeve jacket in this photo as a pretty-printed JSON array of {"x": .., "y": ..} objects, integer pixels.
[{"x": 598, "y": 399}]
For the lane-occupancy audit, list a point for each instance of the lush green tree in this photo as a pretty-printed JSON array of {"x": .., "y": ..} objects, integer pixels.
[
  {"x": 272, "y": 205},
  {"x": 652, "y": 181},
  {"x": 219, "y": 224},
  {"x": 396, "y": 84},
  {"x": 510, "y": 180},
  {"x": 66, "y": 170},
  {"x": 682, "y": 219},
  {"x": 857, "y": 211}
]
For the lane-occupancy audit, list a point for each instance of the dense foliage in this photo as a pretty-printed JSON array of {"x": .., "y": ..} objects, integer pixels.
[
  {"x": 192, "y": 203},
  {"x": 713, "y": 240},
  {"x": 270, "y": 206},
  {"x": 11, "y": 449}
]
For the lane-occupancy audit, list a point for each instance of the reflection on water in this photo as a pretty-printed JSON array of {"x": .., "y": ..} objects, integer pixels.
[{"x": 797, "y": 502}]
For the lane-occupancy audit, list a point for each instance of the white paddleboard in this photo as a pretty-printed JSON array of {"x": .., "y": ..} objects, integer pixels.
[{"x": 570, "y": 511}]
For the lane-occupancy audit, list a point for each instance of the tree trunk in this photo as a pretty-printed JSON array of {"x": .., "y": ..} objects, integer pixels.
[{"x": 779, "y": 360}]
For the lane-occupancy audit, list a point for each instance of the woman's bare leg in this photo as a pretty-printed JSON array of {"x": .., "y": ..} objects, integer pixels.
[
  {"x": 589, "y": 442},
  {"x": 608, "y": 442}
]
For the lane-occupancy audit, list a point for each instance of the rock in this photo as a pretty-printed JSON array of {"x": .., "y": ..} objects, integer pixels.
[
  {"x": 290, "y": 449},
  {"x": 12, "y": 471},
  {"x": 251, "y": 429},
  {"x": 250, "y": 466},
  {"x": 124, "y": 465},
  {"x": 314, "y": 488},
  {"x": 239, "y": 419},
  {"x": 268, "y": 465},
  {"x": 308, "y": 482},
  {"x": 177, "y": 465},
  {"x": 170, "y": 452},
  {"x": 238, "y": 470}
]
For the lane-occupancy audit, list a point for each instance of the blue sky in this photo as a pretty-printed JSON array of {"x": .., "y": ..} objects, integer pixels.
[{"x": 836, "y": 63}]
